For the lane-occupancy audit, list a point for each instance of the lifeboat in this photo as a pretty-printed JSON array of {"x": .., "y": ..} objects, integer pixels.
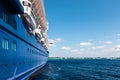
[
  {"x": 37, "y": 33},
  {"x": 29, "y": 17}
]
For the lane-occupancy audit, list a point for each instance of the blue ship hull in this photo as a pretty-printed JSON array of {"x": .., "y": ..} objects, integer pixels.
[{"x": 20, "y": 54}]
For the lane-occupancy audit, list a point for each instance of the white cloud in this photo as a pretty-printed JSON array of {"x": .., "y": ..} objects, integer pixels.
[
  {"x": 104, "y": 50},
  {"x": 106, "y": 42},
  {"x": 69, "y": 49},
  {"x": 65, "y": 48},
  {"x": 100, "y": 49},
  {"x": 118, "y": 34},
  {"x": 51, "y": 41},
  {"x": 85, "y": 44},
  {"x": 75, "y": 51},
  {"x": 92, "y": 51},
  {"x": 54, "y": 42},
  {"x": 108, "y": 50},
  {"x": 118, "y": 46},
  {"x": 58, "y": 40},
  {"x": 118, "y": 39},
  {"x": 97, "y": 47},
  {"x": 82, "y": 49}
]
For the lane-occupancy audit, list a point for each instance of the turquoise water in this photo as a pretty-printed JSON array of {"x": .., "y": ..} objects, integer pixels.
[{"x": 80, "y": 69}]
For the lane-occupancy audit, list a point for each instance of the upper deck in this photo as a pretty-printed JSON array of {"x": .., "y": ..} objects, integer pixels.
[{"x": 39, "y": 8}]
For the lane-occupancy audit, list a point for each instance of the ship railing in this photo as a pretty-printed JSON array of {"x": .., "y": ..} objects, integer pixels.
[{"x": 34, "y": 17}]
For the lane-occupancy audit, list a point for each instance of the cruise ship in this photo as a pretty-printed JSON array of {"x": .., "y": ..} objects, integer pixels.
[{"x": 23, "y": 38}]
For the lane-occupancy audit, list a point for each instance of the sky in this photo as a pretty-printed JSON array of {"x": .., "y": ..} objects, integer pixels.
[{"x": 83, "y": 28}]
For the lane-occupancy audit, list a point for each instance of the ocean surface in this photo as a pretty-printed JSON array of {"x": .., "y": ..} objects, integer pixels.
[{"x": 80, "y": 69}]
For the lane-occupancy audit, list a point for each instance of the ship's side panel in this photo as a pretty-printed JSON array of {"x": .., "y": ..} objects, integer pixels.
[
  {"x": 5, "y": 56},
  {"x": 20, "y": 53},
  {"x": 20, "y": 59}
]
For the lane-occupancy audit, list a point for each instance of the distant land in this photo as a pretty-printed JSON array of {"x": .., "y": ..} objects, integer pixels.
[{"x": 118, "y": 58}]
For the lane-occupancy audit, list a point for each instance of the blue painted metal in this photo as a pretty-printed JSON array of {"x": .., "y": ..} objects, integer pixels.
[
  {"x": 14, "y": 6},
  {"x": 29, "y": 56}
]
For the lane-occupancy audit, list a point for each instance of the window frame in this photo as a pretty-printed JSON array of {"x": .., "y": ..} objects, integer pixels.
[
  {"x": 5, "y": 44},
  {"x": 14, "y": 46}
]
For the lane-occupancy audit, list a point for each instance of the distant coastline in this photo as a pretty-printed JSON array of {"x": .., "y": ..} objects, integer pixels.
[{"x": 111, "y": 58}]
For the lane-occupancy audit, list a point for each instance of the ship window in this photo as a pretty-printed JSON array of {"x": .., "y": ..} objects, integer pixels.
[
  {"x": 5, "y": 43},
  {"x": 28, "y": 50},
  {"x": 5, "y": 16},
  {"x": 14, "y": 25},
  {"x": 14, "y": 46}
]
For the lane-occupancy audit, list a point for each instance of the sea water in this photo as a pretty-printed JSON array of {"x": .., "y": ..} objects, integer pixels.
[{"x": 80, "y": 69}]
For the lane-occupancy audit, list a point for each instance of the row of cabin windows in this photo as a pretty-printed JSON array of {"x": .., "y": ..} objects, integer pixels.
[
  {"x": 9, "y": 19},
  {"x": 5, "y": 44}
]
